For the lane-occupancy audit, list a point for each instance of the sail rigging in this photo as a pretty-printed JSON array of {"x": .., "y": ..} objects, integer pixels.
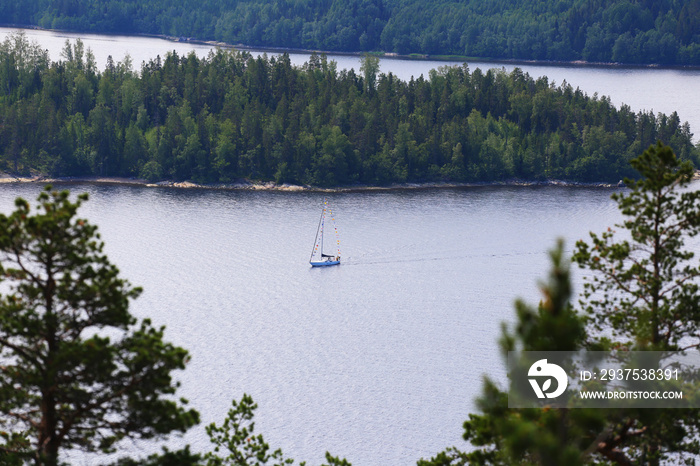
[{"x": 319, "y": 255}]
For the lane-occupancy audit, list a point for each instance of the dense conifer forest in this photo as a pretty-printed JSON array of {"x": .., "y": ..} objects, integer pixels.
[
  {"x": 626, "y": 31},
  {"x": 231, "y": 116}
]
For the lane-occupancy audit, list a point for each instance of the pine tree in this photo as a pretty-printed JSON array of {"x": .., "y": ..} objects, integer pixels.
[
  {"x": 506, "y": 436},
  {"x": 642, "y": 294},
  {"x": 236, "y": 440},
  {"x": 78, "y": 370},
  {"x": 645, "y": 288}
]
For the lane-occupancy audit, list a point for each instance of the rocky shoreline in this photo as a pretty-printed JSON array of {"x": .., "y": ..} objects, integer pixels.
[{"x": 247, "y": 185}]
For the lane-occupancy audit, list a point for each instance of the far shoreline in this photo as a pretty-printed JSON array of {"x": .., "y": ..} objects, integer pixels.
[
  {"x": 247, "y": 185},
  {"x": 379, "y": 54}
]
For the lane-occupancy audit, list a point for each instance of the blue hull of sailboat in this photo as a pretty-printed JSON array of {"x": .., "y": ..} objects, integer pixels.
[{"x": 324, "y": 263}]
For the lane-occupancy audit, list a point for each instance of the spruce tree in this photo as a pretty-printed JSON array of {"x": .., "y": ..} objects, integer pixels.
[
  {"x": 640, "y": 294},
  {"x": 506, "y": 436}
]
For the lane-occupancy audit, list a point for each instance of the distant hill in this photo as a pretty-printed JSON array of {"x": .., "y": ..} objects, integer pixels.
[{"x": 643, "y": 31}]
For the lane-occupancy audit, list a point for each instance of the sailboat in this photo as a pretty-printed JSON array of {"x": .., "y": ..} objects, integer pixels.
[{"x": 318, "y": 257}]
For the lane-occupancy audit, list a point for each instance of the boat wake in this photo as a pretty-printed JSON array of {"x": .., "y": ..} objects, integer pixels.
[{"x": 363, "y": 260}]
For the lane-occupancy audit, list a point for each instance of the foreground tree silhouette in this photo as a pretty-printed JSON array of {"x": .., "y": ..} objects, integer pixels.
[
  {"x": 505, "y": 436},
  {"x": 641, "y": 294},
  {"x": 235, "y": 439},
  {"x": 77, "y": 371}
]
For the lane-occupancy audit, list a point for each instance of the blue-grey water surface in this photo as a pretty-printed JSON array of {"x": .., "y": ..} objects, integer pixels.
[{"x": 379, "y": 359}]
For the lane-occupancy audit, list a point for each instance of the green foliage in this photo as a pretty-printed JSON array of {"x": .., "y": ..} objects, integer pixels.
[
  {"x": 611, "y": 30},
  {"x": 449, "y": 457},
  {"x": 236, "y": 438},
  {"x": 79, "y": 371},
  {"x": 505, "y": 436},
  {"x": 182, "y": 457},
  {"x": 231, "y": 116},
  {"x": 645, "y": 288},
  {"x": 15, "y": 448},
  {"x": 643, "y": 295},
  {"x": 369, "y": 66}
]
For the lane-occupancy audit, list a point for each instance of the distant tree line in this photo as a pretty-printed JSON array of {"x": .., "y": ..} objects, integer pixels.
[
  {"x": 626, "y": 31},
  {"x": 231, "y": 116}
]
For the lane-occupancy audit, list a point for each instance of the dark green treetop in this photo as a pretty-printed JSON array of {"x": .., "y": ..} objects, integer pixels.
[
  {"x": 505, "y": 436},
  {"x": 642, "y": 294},
  {"x": 236, "y": 436},
  {"x": 79, "y": 371},
  {"x": 369, "y": 66},
  {"x": 235, "y": 439},
  {"x": 645, "y": 288}
]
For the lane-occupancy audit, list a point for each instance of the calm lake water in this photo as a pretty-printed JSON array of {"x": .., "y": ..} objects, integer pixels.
[
  {"x": 378, "y": 360},
  {"x": 656, "y": 89}
]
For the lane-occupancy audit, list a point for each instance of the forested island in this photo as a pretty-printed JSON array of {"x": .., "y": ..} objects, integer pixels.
[
  {"x": 231, "y": 116},
  {"x": 624, "y": 31}
]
